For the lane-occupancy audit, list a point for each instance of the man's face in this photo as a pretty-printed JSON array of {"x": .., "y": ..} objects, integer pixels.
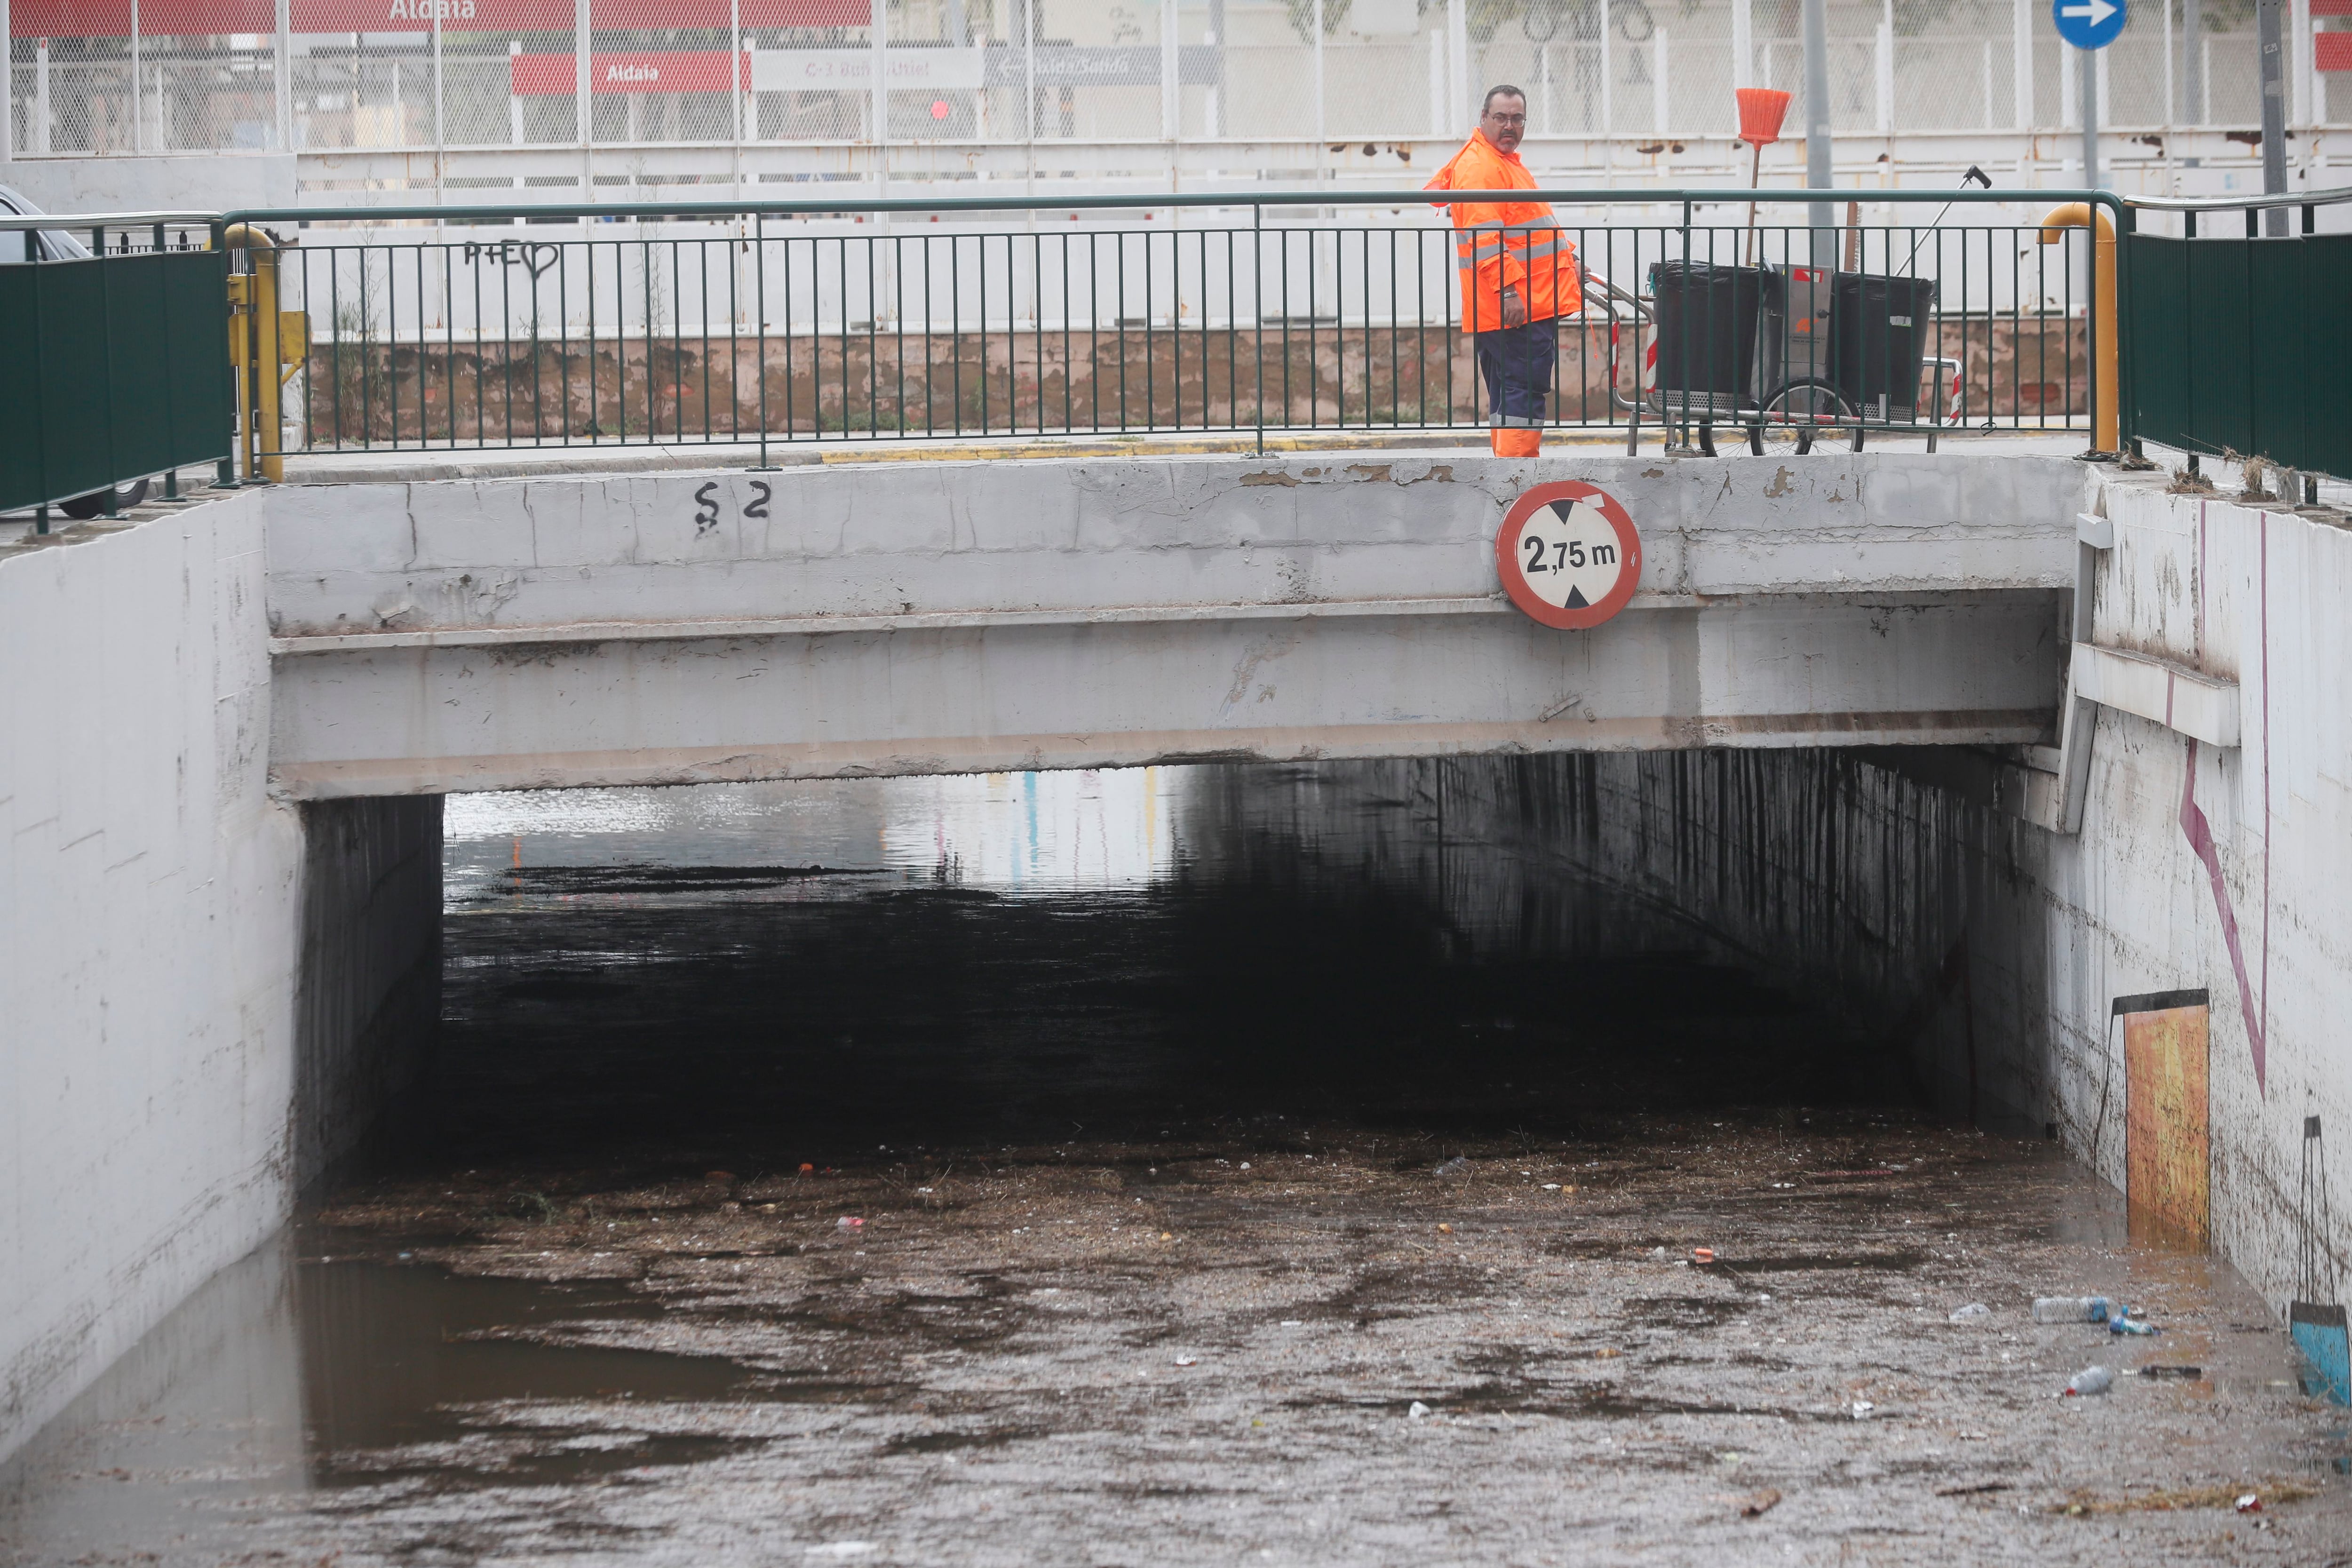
[{"x": 1505, "y": 122}]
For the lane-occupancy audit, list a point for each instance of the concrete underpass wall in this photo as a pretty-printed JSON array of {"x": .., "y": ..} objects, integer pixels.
[
  {"x": 2257, "y": 595},
  {"x": 369, "y": 996},
  {"x": 162, "y": 1094},
  {"x": 1885, "y": 886}
]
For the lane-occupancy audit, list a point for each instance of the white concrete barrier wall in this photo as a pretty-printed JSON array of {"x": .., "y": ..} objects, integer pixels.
[
  {"x": 163, "y": 1098},
  {"x": 149, "y": 893}
]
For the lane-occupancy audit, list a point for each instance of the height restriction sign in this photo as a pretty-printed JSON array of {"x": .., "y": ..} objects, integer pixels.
[{"x": 1568, "y": 555}]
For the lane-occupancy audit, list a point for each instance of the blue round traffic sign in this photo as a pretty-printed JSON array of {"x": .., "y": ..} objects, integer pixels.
[{"x": 2088, "y": 24}]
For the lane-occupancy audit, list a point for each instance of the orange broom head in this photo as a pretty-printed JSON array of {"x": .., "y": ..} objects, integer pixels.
[{"x": 1761, "y": 109}]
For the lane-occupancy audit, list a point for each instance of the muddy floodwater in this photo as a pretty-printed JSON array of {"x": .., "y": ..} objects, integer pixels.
[{"x": 940, "y": 1177}]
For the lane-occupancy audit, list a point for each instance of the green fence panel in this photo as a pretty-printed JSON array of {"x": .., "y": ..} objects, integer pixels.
[
  {"x": 2241, "y": 345},
  {"x": 122, "y": 372},
  {"x": 195, "y": 342}
]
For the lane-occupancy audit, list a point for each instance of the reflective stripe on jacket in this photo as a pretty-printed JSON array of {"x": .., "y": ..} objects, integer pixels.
[{"x": 1499, "y": 243}]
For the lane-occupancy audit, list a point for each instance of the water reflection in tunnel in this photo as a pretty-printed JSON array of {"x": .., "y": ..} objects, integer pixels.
[{"x": 772, "y": 972}]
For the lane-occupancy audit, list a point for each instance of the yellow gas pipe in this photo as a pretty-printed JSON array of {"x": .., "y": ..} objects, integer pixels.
[
  {"x": 255, "y": 335},
  {"x": 2107, "y": 370}
]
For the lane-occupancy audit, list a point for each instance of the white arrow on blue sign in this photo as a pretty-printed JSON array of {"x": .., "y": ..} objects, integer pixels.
[{"x": 2089, "y": 23}]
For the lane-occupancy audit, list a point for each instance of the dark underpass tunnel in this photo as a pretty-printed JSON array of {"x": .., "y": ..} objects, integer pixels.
[
  {"x": 1153, "y": 1165},
  {"x": 754, "y": 976}
]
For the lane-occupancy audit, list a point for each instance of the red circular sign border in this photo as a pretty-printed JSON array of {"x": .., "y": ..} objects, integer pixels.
[{"x": 1514, "y": 583}]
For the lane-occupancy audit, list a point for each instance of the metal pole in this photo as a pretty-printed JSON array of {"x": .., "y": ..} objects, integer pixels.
[
  {"x": 2270, "y": 33},
  {"x": 1458, "y": 79},
  {"x": 7, "y": 87},
  {"x": 1171, "y": 103},
  {"x": 2192, "y": 61},
  {"x": 586, "y": 120},
  {"x": 1818, "y": 175},
  {"x": 2172, "y": 87},
  {"x": 1217, "y": 93},
  {"x": 881, "y": 32},
  {"x": 735, "y": 83},
  {"x": 1321, "y": 122},
  {"x": 285, "y": 82},
  {"x": 2021, "y": 43},
  {"x": 2088, "y": 96},
  {"x": 440, "y": 141},
  {"x": 138, "y": 105}
]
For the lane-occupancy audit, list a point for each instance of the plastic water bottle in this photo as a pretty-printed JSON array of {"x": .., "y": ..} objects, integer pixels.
[
  {"x": 2091, "y": 1380},
  {"x": 2071, "y": 1310}
]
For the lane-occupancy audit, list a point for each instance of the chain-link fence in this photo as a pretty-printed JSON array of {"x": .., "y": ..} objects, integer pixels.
[{"x": 120, "y": 77}]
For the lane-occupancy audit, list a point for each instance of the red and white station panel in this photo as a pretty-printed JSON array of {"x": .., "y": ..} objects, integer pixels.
[{"x": 1568, "y": 555}]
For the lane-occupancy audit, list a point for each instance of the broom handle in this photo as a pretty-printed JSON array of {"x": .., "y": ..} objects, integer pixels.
[{"x": 1755, "y": 178}]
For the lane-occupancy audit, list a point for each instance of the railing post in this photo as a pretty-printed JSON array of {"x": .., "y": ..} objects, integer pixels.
[
  {"x": 2127, "y": 441},
  {"x": 760, "y": 287},
  {"x": 106, "y": 359},
  {"x": 1257, "y": 307}
]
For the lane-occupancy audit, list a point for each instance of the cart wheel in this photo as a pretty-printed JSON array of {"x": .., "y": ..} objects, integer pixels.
[
  {"x": 1796, "y": 415},
  {"x": 83, "y": 508}
]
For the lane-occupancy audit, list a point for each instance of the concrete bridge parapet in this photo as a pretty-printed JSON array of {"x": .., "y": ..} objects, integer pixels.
[{"x": 927, "y": 617}]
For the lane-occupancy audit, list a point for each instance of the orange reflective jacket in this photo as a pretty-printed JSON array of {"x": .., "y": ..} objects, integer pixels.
[{"x": 1497, "y": 243}]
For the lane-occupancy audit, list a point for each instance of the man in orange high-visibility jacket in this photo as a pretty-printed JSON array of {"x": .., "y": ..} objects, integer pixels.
[{"x": 1519, "y": 274}]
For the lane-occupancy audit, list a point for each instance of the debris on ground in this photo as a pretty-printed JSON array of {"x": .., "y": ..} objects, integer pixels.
[
  {"x": 1863, "y": 1409},
  {"x": 1702, "y": 1254},
  {"x": 2176, "y": 1500},
  {"x": 849, "y": 1222},
  {"x": 2186, "y": 1373},
  {"x": 2132, "y": 1326},
  {"x": 1457, "y": 1166},
  {"x": 1417, "y": 1411},
  {"x": 1533, "y": 1308},
  {"x": 1188, "y": 1360},
  {"x": 2089, "y": 1380},
  {"x": 2072, "y": 1308},
  {"x": 1973, "y": 1312},
  {"x": 1757, "y": 1504}
]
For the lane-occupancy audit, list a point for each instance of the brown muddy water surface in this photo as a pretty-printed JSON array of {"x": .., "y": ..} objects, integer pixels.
[{"x": 784, "y": 1217}]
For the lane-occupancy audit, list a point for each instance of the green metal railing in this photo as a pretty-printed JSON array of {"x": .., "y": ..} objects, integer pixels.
[
  {"x": 2238, "y": 343},
  {"x": 112, "y": 367},
  {"x": 760, "y": 325},
  {"x": 769, "y": 323}
]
